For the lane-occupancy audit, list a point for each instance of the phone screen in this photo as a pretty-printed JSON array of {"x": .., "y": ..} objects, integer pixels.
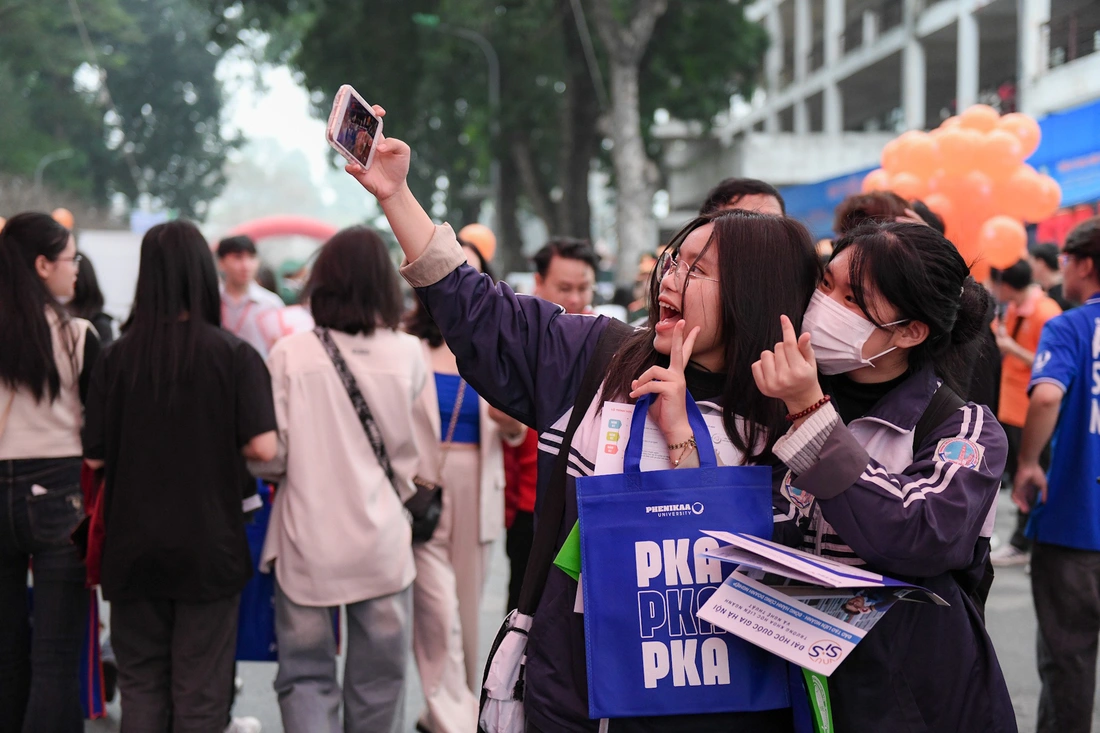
[{"x": 357, "y": 130}]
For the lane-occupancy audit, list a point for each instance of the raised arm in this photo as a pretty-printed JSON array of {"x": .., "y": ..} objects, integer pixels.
[
  {"x": 524, "y": 355},
  {"x": 387, "y": 179}
]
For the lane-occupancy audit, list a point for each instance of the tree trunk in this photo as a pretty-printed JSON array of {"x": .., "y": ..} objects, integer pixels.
[
  {"x": 509, "y": 257},
  {"x": 635, "y": 224},
  {"x": 580, "y": 136},
  {"x": 635, "y": 173},
  {"x": 527, "y": 175}
]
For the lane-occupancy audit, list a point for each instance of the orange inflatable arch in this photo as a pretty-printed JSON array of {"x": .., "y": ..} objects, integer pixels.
[{"x": 282, "y": 226}]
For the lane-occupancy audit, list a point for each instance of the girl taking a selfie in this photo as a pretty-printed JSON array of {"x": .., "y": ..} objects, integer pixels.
[
  {"x": 890, "y": 469},
  {"x": 720, "y": 288}
]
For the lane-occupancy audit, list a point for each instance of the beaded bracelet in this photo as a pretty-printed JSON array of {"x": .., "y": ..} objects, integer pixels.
[
  {"x": 677, "y": 446},
  {"x": 811, "y": 409},
  {"x": 685, "y": 454}
]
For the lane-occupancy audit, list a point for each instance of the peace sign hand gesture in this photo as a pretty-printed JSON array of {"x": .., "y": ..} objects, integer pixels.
[
  {"x": 790, "y": 372},
  {"x": 669, "y": 387}
]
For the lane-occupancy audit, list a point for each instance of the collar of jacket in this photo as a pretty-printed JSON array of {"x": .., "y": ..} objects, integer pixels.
[{"x": 902, "y": 408}]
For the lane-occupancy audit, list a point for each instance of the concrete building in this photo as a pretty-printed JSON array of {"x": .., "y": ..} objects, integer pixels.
[{"x": 843, "y": 77}]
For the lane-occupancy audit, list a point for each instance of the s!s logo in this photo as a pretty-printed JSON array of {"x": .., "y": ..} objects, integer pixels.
[{"x": 825, "y": 652}]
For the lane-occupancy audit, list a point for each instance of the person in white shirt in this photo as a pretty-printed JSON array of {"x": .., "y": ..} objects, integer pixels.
[
  {"x": 338, "y": 534},
  {"x": 244, "y": 302}
]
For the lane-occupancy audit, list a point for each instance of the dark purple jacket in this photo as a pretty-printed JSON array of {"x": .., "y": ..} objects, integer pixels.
[
  {"x": 527, "y": 357},
  {"x": 921, "y": 513}
]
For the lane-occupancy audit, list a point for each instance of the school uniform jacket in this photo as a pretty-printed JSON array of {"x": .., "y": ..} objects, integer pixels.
[
  {"x": 527, "y": 357},
  {"x": 864, "y": 495}
]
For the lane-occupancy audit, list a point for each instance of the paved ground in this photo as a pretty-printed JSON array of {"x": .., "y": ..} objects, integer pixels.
[{"x": 1010, "y": 618}]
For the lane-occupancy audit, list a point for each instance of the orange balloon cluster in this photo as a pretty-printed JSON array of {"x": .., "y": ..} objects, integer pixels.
[{"x": 971, "y": 171}]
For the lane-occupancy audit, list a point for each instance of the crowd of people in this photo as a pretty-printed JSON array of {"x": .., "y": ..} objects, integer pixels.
[{"x": 892, "y": 394}]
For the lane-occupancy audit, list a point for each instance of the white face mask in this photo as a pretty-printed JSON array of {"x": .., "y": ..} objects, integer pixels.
[{"x": 838, "y": 335}]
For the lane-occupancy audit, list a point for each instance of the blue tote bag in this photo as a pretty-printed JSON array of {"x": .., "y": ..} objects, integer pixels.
[
  {"x": 256, "y": 626},
  {"x": 647, "y": 652},
  {"x": 256, "y": 641}
]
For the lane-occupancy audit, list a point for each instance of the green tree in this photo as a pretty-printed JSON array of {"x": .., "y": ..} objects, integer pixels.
[
  {"x": 162, "y": 136},
  {"x": 40, "y": 49},
  {"x": 169, "y": 104},
  {"x": 553, "y": 70}
]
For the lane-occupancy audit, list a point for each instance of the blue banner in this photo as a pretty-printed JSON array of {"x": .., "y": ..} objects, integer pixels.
[
  {"x": 647, "y": 652},
  {"x": 1070, "y": 153},
  {"x": 813, "y": 204}
]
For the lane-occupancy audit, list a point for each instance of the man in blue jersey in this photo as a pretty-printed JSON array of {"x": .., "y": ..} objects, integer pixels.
[{"x": 1065, "y": 523}]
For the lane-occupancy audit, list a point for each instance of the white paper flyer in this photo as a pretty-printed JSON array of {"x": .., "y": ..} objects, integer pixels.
[{"x": 817, "y": 617}]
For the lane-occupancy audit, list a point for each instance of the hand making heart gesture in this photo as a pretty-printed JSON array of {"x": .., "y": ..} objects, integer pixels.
[{"x": 789, "y": 373}]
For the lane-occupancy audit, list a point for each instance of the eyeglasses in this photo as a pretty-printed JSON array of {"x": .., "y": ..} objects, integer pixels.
[
  {"x": 670, "y": 262},
  {"x": 75, "y": 259},
  {"x": 1063, "y": 261}
]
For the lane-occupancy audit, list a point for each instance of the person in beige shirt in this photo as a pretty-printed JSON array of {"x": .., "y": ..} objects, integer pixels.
[
  {"x": 338, "y": 534},
  {"x": 46, "y": 358}
]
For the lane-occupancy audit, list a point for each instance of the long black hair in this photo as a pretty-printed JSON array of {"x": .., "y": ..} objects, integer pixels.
[
  {"x": 924, "y": 277},
  {"x": 26, "y": 344},
  {"x": 767, "y": 267},
  {"x": 87, "y": 299},
  {"x": 176, "y": 296}
]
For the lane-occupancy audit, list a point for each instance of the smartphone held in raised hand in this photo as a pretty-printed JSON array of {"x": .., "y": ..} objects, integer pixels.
[{"x": 353, "y": 127}]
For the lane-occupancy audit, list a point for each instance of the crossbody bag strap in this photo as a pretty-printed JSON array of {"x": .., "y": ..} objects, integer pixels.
[
  {"x": 451, "y": 428},
  {"x": 366, "y": 419},
  {"x": 548, "y": 521}
]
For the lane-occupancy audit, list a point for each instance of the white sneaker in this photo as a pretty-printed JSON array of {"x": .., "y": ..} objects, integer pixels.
[
  {"x": 1009, "y": 555},
  {"x": 244, "y": 725}
]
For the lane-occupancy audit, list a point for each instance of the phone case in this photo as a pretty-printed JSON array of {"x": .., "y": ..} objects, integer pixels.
[{"x": 339, "y": 107}]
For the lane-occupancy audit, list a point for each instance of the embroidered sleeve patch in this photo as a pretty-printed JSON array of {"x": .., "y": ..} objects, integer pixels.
[
  {"x": 961, "y": 451},
  {"x": 799, "y": 498}
]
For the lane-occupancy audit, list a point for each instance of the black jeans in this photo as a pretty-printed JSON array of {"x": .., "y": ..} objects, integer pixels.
[
  {"x": 175, "y": 663},
  {"x": 40, "y": 505},
  {"x": 1065, "y": 584}
]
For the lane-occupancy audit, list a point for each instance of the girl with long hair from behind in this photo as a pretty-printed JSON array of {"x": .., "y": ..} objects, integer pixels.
[{"x": 175, "y": 407}]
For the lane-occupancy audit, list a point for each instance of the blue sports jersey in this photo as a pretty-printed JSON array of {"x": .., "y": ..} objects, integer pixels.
[{"x": 1069, "y": 356}]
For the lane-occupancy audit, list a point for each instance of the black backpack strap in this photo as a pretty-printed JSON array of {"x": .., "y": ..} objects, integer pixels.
[
  {"x": 976, "y": 580},
  {"x": 549, "y": 519},
  {"x": 943, "y": 404}
]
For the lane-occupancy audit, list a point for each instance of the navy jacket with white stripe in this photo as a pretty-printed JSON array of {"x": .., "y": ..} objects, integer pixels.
[
  {"x": 527, "y": 357},
  {"x": 917, "y": 513}
]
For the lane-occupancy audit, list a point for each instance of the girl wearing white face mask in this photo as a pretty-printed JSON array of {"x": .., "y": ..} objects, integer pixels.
[{"x": 890, "y": 469}]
